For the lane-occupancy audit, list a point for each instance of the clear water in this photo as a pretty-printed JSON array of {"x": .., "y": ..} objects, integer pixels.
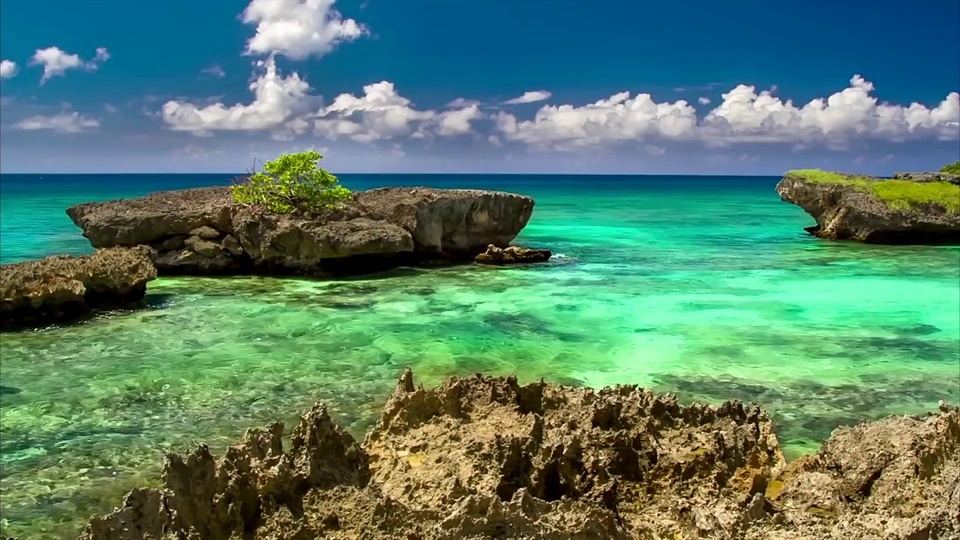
[{"x": 707, "y": 287}]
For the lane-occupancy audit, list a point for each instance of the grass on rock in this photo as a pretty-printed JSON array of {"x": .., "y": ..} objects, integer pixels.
[{"x": 898, "y": 194}]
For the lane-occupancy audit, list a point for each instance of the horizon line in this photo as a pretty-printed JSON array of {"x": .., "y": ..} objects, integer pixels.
[{"x": 394, "y": 174}]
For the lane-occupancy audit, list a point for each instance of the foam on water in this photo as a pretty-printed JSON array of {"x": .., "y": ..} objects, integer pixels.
[{"x": 707, "y": 289}]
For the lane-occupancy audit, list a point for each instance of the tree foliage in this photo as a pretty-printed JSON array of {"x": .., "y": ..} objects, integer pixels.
[
  {"x": 953, "y": 168},
  {"x": 292, "y": 183}
]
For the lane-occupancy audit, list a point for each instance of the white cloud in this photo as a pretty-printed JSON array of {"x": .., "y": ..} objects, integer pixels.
[
  {"x": 277, "y": 101},
  {"x": 298, "y": 28},
  {"x": 617, "y": 118},
  {"x": 747, "y": 116},
  {"x": 214, "y": 71},
  {"x": 110, "y": 108},
  {"x": 462, "y": 102},
  {"x": 65, "y": 122},
  {"x": 742, "y": 116},
  {"x": 529, "y": 97},
  {"x": 703, "y": 100},
  {"x": 457, "y": 122},
  {"x": 56, "y": 62},
  {"x": 8, "y": 69},
  {"x": 380, "y": 113}
]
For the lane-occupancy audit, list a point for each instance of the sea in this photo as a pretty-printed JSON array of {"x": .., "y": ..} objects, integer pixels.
[{"x": 707, "y": 287}]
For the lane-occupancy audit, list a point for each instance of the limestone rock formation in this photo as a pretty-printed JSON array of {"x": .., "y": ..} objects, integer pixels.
[
  {"x": 512, "y": 255},
  {"x": 202, "y": 231},
  {"x": 489, "y": 458},
  {"x": 62, "y": 287},
  {"x": 914, "y": 208}
]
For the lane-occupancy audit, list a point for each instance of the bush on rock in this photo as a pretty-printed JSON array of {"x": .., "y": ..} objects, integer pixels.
[
  {"x": 292, "y": 183},
  {"x": 953, "y": 168}
]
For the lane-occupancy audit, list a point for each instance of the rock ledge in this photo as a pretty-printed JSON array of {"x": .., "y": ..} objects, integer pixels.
[
  {"x": 913, "y": 208},
  {"x": 62, "y": 287}
]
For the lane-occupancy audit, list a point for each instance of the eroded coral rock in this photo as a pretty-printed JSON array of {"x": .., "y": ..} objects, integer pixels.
[
  {"x": 483, "y": 457},
  {"x": 63, "y": 287},
  {"x": 512, "y": 255},
  {"x": 202, "y": 231}
]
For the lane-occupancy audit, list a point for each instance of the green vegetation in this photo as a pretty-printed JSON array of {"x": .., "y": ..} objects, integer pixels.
[
  {"x": 953, "y": 168},
  {"x": 292, "y": 183},
  {"x": 898, "y": 194}
]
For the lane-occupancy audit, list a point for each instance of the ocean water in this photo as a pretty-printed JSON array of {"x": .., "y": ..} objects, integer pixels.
[{"x": 703, "y": 286}]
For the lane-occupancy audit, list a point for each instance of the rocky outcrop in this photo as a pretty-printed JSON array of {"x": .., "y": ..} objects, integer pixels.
[
  {"x": 512, "y": 255},
  {"x": 63, "y": 287},
  {"x": 489, "y": 458},
  {"x": 202, "y": 231},
  {"x": 848, "y": 207}
]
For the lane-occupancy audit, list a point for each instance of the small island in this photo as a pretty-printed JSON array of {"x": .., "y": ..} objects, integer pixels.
[
  {"x": 910, "y": 208},
  {"x": 295, "y": 218}
]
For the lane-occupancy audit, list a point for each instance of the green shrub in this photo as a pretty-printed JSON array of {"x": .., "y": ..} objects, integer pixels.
[
  {"x": 953, "y": 168},
  {"x": 292, "y": 183},
  {"x": 898, "y": 194}
]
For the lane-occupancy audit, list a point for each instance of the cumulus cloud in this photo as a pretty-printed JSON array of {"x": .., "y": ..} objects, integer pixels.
[
  {"x": 276, "y": 105},
  {"x": 529, "y": 97},
  {"x": 380, "y": 113},
  {"x": 617, "y": 118},
  {"x": 214, "y": 71},
  {"x": 56, "y": 61},
  {"x": 298, "y": 28},
  {"x": 457, "y": 122},
  {"x": 743, "y": 116},
  {"x": 65, "y": 122},
  {"x": 703, "y": 100},
  {"x": 8, "y": 69}
]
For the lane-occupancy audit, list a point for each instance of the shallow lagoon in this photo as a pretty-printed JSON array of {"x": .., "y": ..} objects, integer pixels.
[{"x": 703, "y": 286}]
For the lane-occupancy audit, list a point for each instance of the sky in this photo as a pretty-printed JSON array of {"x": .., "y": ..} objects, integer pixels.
[{"x": 499, "y": 86}]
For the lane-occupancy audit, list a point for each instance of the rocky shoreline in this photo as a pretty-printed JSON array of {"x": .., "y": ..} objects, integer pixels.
[
  {"x": 61, "y": 287},
  {"x": 204, "y": 232},
  {"x": 486, "y": 457},
  {"x": 911, "y": 208}
]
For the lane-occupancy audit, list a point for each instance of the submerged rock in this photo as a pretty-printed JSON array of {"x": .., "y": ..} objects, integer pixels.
[
  {"x": 487, "y": 457},
  {"x": 62, "y": 287},
  {"x": 512, "y": 255},
  {"x": 202, "y": 231},
  {"x": 913, "y": 208}
]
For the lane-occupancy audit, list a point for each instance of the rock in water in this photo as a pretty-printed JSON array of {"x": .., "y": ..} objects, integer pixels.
[
  {"x": 62, "y": 287},
  {"x": 512, "y": 255},
  {"x": 202, "y": 231},
  {"x": 913, "y": 208},
  {"x": 486, "y": 457}
]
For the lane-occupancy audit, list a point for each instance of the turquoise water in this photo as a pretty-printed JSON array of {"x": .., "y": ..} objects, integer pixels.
[{"x": 707, "y": 287}]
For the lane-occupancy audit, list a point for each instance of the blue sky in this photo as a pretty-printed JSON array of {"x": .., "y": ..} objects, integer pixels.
[{"x": 494, "y": 86}]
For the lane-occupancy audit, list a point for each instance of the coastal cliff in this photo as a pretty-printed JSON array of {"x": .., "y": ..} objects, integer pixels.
[
  {"x": 486, "y": 457},
  {"x": 204, "y": 231},
  {"x": 62, "y": 287},
  {"x": 911, "y": 208}
]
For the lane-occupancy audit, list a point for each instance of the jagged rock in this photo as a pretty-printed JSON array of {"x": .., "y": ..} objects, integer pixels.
[
  {"x": 62, "y": 287},
  {"x": 205, "y": 232},
  {"x": 487, "y": 457},
  {"x": 512, "y": 255},
  {"x": 849, "y": 207},
  {"x": 376, "y": 228}
]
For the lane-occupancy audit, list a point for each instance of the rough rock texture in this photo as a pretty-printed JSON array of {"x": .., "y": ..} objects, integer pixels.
[
  {"x": 202, "y": 231},
  {"x": 488, "y": 458},
  {"x": 843, "y": 212},
  {"x": 928, "y": 177},
  {"x": 62, "y": 287},
  {"x": 512, "y": 255}
]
